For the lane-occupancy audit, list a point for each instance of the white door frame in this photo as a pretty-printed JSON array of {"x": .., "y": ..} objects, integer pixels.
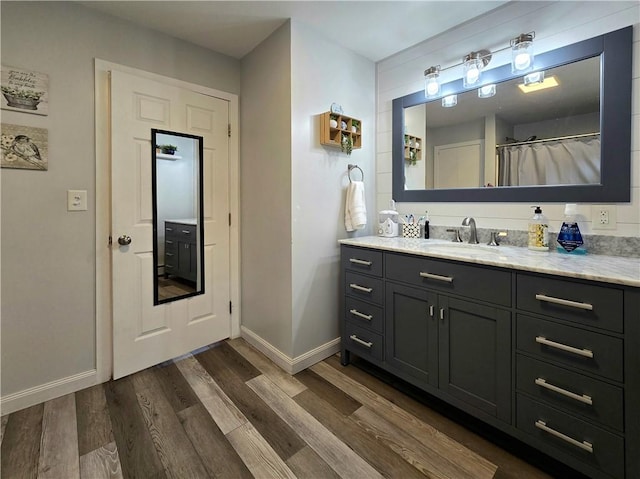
[{"x": 104, "y": 319}]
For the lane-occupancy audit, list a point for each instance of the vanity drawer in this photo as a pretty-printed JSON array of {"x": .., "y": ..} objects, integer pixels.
[
  {"x": 588, "y": 304},
  {"x": 362, "y": 260},
  {"x": 180, "y": 231},
  {"x": 571, "y": 346},
  {"x": 471, "y": 281},
  {"x": 560, "y": 431},
  {"x": 364, "y": 287},
  {"x": 363, "y": 342},
  {"x": 364, "y": 314},
  {"x": 571, "y": 391}
]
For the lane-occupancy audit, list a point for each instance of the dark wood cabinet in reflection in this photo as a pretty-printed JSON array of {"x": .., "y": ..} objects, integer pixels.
[{"x": 180, "y": 250}]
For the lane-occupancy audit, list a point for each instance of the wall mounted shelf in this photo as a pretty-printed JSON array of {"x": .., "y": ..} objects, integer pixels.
[
  {"x": 332, "y": 136},
  {"x": 164, "y": 156},
  {"x": 412, "y": 148}
]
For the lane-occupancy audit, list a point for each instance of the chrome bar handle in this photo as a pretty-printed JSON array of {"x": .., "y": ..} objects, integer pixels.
[
  {"x": 431, "y": 310},
  {"x": 581, "y": 398},
  {"x": 446, "y": 279},
  {"x": 355, "y": 312},
  {"x": 360, "y": 261},
  {"x": 360, "y": 288},
  {"x": 187, "y": 232},
  {"x": 442, "y": 314},
  {"x": 169, "y": 254},
  {"x": 587, "y": 353},
  {"x": 358, "y": 340},
  {"x": 564, "y": 302},
  {"x": 584, "y": 445}
]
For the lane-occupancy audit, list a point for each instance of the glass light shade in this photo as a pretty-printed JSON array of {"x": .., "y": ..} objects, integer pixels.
[
  {"x": 431, "y": 82},
  {"x": 522, "y": 53},
  {"x": 487, "y": 91},
  {"x": 449, "y": 101},
  {"x": 532, "y": 78},
  {"x": 471, "y": 74}
]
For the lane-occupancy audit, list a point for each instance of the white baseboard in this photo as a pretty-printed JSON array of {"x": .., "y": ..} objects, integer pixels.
[
  {"x": 45, "y": 392},
  {"x": 291, "y": 365}
]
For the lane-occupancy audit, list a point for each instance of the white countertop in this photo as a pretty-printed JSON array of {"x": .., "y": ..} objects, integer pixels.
[
  {"x": 185, "y": 221},
  {"x": 609, "y": 269}
]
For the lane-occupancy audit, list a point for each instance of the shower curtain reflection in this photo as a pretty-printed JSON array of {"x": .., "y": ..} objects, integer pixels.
[{"x": 569, "y": 161}]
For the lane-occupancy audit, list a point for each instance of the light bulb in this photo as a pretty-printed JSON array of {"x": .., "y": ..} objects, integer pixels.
[
  {"x": 432, "y": 88},
  {"x": 522, "y": 61},
  {"x": 472, "y": 75}
]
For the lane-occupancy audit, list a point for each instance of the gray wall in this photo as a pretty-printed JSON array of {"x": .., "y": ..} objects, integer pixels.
[
  {"x": 48, "y": 254},
  {"x": 265, "y": 184}
]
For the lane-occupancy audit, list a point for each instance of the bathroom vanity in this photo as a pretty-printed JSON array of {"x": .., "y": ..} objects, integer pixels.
[
  {"x": 542, "y": 346},
  {"x": 180, "y": 249}
]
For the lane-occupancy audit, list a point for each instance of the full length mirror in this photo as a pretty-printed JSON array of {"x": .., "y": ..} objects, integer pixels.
[
  {"x": 569, "y": 142},
  {"x": 178, "y": 251}
]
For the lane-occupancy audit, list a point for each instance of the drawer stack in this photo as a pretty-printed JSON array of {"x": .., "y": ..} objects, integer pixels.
[
  {"x": 180, "y": 253},
  {"x": 569, "y": 369},
  {"x": 363, "y": 303}
]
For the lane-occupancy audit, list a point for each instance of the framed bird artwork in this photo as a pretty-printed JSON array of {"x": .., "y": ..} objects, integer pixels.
[{"x": 23, "y": 147}]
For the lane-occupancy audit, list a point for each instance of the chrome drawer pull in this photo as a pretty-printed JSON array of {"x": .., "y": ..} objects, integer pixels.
[
  {"x": 187, "y": 232},
  {"x": 431, "y": 310},
  {"x": 582, "y": 398},
  {"x": 355, "y": 312},
  {"x": 360, "y": 288},
  {"x": 169, "y": 254},
  {"x": 358, "y": 340},
  {"x": 360, "y": 261},
  {"x": 446, "y": 279},
  {"x": 564, "y": 302},
  {"x": 587, "y": 353},
  {"x": 168, "y": 229},
  {"x": 587, "y": 446},
  {"x": 168, "y": 242}
]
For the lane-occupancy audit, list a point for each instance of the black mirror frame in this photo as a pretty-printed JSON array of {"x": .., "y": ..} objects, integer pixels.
[
  {"x": 615, "y": 50},
  {"x": 156, "y": 300}
]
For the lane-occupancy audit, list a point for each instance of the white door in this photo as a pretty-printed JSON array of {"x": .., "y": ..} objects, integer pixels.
[
  {"x": 144, "y": 334},
  {"x": 458, "y": 165}
]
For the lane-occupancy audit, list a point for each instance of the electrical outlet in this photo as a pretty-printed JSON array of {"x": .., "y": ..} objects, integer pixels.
[{"x": 603, "y": 217}]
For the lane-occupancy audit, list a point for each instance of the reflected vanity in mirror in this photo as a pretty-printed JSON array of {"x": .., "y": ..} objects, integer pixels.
[
  {"x": 178, "y": 226},
  {"x": 570, "y": 142}
]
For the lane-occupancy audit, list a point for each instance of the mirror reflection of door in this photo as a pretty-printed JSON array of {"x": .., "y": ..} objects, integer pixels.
[{"x": 178, "y": 251}]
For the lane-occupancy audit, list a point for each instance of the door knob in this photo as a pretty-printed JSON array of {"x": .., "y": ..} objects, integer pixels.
[{"x": 124, "y": 240}]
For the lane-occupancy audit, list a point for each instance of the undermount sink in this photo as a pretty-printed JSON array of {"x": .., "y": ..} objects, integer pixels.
[{"x": 463, "y": 248}]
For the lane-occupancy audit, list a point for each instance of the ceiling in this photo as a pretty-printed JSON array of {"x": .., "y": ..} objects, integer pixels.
[{"x": 373, "y": 29}]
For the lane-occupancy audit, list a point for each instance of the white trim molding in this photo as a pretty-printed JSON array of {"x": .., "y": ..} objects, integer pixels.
[
  {"x": 291, "y": 365},
  {"x": 45, "y": 392}
]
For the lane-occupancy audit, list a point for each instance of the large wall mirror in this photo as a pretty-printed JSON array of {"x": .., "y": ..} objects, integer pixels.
[
  {"x": 570, "y": 142},
  {"x": 178, "y": 226}
]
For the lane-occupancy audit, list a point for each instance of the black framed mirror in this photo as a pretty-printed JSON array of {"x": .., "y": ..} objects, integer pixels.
[
  {"x": 602, "y": 105},
  {"x": 178, "y": 222}
]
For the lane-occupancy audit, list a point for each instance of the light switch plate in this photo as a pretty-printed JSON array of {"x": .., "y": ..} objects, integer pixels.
[{"x": 76, "y": 200}]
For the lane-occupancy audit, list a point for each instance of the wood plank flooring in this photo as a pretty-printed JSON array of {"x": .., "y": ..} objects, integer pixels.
[{"x": 229, "y": 412}]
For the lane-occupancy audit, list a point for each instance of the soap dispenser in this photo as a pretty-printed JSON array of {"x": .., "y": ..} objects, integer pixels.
[
  {"x": 538, "y": 231},
  {"x": 569, "y": 238}
]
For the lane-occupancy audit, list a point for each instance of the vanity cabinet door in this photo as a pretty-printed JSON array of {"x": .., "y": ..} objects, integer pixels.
[
  {"x": 475, "y": 355},
  {"x": 411, "y": 333}
]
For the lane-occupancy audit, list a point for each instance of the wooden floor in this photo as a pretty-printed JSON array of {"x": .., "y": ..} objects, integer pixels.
[
  {"x": 229, "y": 412},
  {"x": 173, "y": 287}
]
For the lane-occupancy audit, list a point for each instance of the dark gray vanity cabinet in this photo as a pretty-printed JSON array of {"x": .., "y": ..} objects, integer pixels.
[
  {"x": 550, "y": 360},
  {"x": 436, "y": 334},
  {"x": 180, "y": 251}
]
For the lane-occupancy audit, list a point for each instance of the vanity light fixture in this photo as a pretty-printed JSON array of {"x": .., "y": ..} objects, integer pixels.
[
  {"x": 533, "y": 78},
  {"x": 431, "y": 82},
  {"x": 522, "y": 52},
  {"x": 487, "y": 91},
  {"x": 473, "y": 64},
  {"x": 541, "y": 83},
  {"x": 449, "y": 101}
]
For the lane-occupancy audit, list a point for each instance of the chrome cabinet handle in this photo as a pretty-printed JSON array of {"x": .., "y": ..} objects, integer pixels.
[
  {"x": 124, "y": 240},
  {"x": 564, "y": 302},
  {"x": 587, "y": 353},
  {"x": 355, "y": 312},
  {"x": 584, "y": 445},
  {"x": 187, "y": 232},
  {"x": 168, "y": 241},
  {"x": 431, "y": 310},
  {"x": 169, "y": 254},
  {"x": 446, "y": 279},
  {"x": 360, "y": 288},
  {"x": 168, "y": 229},
  {"x": 358, "y": 340},
  {"x": 442, "y": 314},
  {"x": 360, "y": 261},
  {"x": 581, "y": 398}
]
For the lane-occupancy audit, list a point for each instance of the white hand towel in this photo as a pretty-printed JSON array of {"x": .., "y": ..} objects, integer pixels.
[{"x": 355, "y": 211}]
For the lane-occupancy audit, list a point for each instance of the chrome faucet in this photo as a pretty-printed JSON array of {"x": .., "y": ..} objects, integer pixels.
[{"x": 471, "y": 223}]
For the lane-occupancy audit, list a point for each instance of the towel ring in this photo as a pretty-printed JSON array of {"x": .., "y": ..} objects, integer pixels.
[{"x": 351, "y": 167}]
